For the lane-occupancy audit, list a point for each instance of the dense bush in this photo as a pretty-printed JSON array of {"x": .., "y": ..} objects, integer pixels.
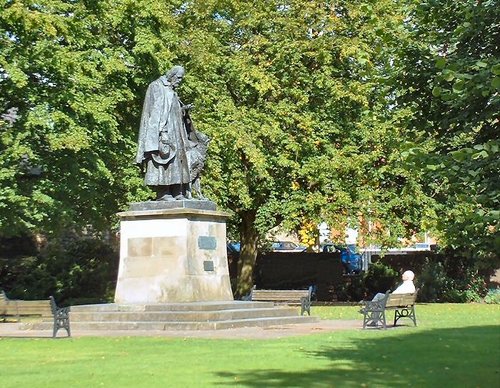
[
  {"x": 380, "y": 278},
  {"x": 447, "y": 276},
  {"x": 352, "y": 289},
  {"x": 444, "y": 277},
  {"x": 432, "y": 282},
  {"x": 451, "y": 278},
  {"x": 74, "y": 270},
  {"x": 492, "y": 297}
]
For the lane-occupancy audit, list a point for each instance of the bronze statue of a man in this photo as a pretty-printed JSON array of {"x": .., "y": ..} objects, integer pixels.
[{"x": 171, "y": 150}]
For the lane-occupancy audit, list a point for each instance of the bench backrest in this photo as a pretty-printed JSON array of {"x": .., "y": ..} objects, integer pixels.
[
  {"x": 8, "y": 306},
  {"x": 53, "y": 305},
  {"x": 280, "y": 295},
  {"x": 397, "y": 300}
]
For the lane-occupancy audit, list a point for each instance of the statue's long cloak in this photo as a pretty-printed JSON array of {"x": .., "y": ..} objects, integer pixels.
[{"x": 167, "y": 162}]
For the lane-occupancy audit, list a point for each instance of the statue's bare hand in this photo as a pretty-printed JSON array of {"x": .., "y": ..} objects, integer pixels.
[{"x": 188, "y": 107}]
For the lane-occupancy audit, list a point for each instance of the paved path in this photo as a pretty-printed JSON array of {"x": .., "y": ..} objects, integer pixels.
[{"x": 322, "y": 326}]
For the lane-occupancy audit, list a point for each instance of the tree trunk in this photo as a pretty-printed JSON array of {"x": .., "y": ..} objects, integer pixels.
[{"x": 248, "y": 255}]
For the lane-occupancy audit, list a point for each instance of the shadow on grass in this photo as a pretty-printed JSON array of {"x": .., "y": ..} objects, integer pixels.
[{"x": 466, "y": 357}]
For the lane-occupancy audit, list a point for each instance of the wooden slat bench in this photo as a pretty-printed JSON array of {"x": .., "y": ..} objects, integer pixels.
[
  {"x": 18, "y": 308},
  {"x": 402, "y": 304},
  {"x": 302, "y": 297},
  {"x": 8, "y": 307}
]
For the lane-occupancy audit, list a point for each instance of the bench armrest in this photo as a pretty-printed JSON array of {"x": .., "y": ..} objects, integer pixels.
[{"x": 375, "y": 305}]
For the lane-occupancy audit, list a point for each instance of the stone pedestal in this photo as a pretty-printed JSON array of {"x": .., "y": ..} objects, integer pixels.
[{"x": 173, "y": 252}]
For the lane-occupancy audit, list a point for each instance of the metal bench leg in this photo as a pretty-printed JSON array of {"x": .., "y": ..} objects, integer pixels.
[
  {"x": 66, "y": 326},
  {"x": 61, "y": 323},
  {"x": 405, "y": 313},
  {"x": 413, "y": 316},
  {"x": 372, "y": 318},
  {"x": 367, "y": 318},
  {"x": 305, "y": 306},
  {"x": 399, "y": 314},
  {"x": 56, "y": 328}
]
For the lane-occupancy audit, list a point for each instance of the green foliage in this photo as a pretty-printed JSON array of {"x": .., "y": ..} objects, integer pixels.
[
  {"x": 492, "y": 297},
  {"x": 432, "y": 282},
  {"x": 472, "y": 291},
  {"x": 447, "y": 74},
  {"x": 71, "y": 270},
  {"x": 65, "y": 155},
  {"x": 440, "y": 277},
  {"x": 414, "y": 261},
  {"x": 289, "y": 93},
  {"x": 452, "y": 346},
  {"x": 352, "y": 290},
  {"x": 451, "y": 279},
  {"x": 380, "y": 278},
  {"x": 308, "y": 105},
  {"x": 447, "y": 276},
  {"x": 292, "y": 98}
]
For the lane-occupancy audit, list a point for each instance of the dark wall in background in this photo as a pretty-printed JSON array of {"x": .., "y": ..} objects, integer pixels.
[{"x": 281, "y": 270}]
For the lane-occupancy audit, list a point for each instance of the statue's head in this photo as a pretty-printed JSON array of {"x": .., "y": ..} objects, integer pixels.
[{"x": 175, "y": 75}]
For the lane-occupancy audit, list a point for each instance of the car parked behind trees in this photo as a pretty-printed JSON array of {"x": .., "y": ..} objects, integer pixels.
[{"x": 287, "y": 246}]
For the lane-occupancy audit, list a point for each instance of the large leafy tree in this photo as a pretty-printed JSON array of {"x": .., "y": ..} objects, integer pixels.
[
  {"x": 64, "y": 156},
  {"x": 72, "y": 79},
  {"x": 449, "y": 75},
  {"x": 292, "y": 93}
]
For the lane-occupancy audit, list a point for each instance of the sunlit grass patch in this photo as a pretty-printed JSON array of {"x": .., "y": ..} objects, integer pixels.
[{"x": 454, "y": 345}]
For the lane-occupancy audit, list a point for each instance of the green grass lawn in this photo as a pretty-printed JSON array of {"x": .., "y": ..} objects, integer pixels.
[{"x": 453, "y": 346}]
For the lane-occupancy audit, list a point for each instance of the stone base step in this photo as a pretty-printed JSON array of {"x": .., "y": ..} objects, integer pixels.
[
  {"x": 191, "y": 306},
  {"x": 162, "y": 326},
  {"x": 179, "y": 316}
]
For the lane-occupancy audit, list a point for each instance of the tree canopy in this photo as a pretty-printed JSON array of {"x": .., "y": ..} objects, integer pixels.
[
  {"x": 294, "y": 100},
  {"x": 450, "y": 79},
  {"x": 319, "y": 110},
  {"x": 65, "y": 153}
]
